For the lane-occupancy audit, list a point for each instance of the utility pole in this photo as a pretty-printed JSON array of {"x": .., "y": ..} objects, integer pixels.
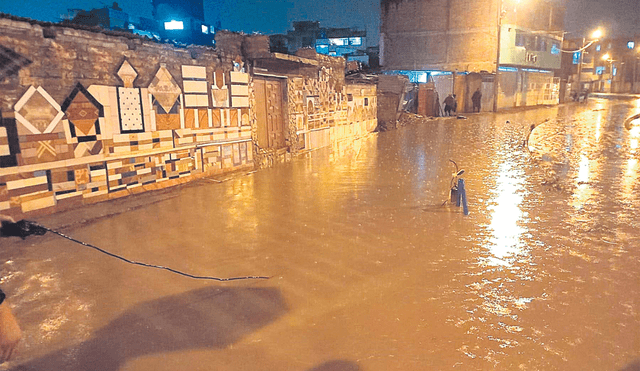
[
  {"x": 495, "y": 80},
  {"x": 581, "y": 60}
]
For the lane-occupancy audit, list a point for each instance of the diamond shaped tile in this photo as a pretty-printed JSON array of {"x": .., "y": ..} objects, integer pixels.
[
  {"x": 37, "y": 112},
  {"x": 127, "y": 74},
  {"x": 164, "y": 89}
]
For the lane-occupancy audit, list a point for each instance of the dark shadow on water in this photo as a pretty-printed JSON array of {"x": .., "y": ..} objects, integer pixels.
[
  {"x": 211, "y": 317},
  {"x": 635, "y": 366},
  {"x": 337, "y": 366}
]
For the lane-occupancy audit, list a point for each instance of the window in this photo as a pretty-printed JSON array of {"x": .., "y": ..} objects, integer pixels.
[
  {"x": 520, "y": 38},
  {"x": 173, "y": 25},
  {"x": 205, "y": 29},
  {"x": 541, "y": 44},
  {"x": 599, "y": 70},
  {"x": 598, "y": 47},
  {"x": 356, "y": 41},
  {"x": 339, "y": 42},
  {"x": 322, "y": 49},
  {"x": 631, "y": 45},
  {"x": 366, "y": 101}
]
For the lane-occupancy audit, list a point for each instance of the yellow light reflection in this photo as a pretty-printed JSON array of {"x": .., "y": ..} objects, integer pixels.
[
  {"x": 598, "y": 133},
  {"x": 506, "y": 215},
  {"x": 583, "y": 191}
]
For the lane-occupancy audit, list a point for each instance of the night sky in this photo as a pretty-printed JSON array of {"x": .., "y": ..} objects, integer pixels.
[{"x": 620, "y": 17}]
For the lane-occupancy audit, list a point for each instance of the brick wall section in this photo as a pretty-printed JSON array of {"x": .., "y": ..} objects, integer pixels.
[{"x": 439, "y": 34}]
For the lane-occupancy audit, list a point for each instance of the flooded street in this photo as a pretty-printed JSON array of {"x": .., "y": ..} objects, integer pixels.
[{"x": 368, "y": 270}]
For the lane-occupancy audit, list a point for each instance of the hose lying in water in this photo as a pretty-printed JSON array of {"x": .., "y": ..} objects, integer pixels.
[{"x": 25, "y": 228}]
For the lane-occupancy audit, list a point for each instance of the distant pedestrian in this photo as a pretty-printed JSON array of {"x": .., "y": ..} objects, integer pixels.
[
  {"x": 449, "y": 105},
  {"x": 476, "y": 99}
]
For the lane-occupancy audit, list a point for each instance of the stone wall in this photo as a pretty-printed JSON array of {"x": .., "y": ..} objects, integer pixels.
[
  {"x": 89, "y": 116},
  {"x": 325, "y": 108}
]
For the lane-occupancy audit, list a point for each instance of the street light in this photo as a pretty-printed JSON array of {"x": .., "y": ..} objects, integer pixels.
[{"x": 595, "y": 36}]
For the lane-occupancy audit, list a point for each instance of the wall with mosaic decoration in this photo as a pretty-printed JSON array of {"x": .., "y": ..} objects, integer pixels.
[
  {"x": 322, "y": 111},
  {"x": 89, "y": 116}
]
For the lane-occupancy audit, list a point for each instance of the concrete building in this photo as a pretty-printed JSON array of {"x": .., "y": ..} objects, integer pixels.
[
  {"x": 349, "y": 43},
  {"x": 610, "y": 65},
  {"x": 181, "y": 21},
  {"x": 442, "y": 40}
]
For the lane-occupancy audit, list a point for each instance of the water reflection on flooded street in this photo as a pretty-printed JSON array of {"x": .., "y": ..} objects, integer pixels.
[{"x": 368, "y": 270}]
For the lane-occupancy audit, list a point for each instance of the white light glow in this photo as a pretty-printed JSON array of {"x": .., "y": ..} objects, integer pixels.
[{"x": 173, "y": 25}]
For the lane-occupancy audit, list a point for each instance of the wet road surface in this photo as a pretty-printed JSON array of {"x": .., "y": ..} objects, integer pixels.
[{"x": 368, "y": 270}]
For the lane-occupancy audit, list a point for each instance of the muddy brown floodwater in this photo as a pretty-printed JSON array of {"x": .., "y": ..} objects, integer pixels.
[{"x": 368, "y": 271}]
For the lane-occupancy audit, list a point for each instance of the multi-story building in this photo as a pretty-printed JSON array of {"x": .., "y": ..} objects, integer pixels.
[
  {"x": 349, "y": 43},
  {"x": 183, "y": 20},
  {"x": 179, "y": 20},
  {"x": 439, "y": 40},
  {"x": 610, "y": 65}
]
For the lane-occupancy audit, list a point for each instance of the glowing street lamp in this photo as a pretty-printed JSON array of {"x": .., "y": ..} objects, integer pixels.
[{"x": 595, "y": 36}]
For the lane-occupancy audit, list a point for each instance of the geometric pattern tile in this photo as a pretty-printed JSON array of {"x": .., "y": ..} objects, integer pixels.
[
  {"x": 167, "y": 121},
  {"x": 37, "y": 112},
  {"x": 5, "y": 150},
  {"x": 130, "y": 104},
  {"x": 83, "y": 113},
  {"x": 44, "y": 148},
  {"x": 239, "y": 89},
  {"x": 219, "y": 89},
  {"x": 82, "y": 123},
  {"x": 87, "y": 148},
  {"x": 164, "y": 89},
  {"x": 9, "y": 143},
  {"x": 11, "y": 62},
  {"x": 127, "y": 74},
  {"x": 220, "y": 97},
  {"x": 194, "y": 80}
]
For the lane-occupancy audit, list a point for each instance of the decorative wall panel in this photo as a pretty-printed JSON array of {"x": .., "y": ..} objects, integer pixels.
[
  {"x": 130, "y": 105},
  {"x": 37, "y": 112},
  {"x": 195, "y": 86},
  {"x": 82, "y": 123}
]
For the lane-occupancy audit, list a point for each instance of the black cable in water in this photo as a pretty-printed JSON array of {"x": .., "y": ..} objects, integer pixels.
[{"x": 25, "y": 228}]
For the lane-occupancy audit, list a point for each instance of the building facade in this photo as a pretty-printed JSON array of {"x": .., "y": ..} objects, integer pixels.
[
  {"x": 610, "y": 65},
  {"x": 349, "y": 43},
  {"x": 437, "y": 40}
]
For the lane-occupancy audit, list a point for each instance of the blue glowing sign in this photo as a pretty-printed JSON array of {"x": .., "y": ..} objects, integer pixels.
[{"x": 576, "y": 57}]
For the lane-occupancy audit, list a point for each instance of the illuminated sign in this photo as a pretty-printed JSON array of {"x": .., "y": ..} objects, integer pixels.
[
  {"x": 631, "y": 45},
  {"x": 576, "y": 57},
  {"x": 173, "y": 25}
]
